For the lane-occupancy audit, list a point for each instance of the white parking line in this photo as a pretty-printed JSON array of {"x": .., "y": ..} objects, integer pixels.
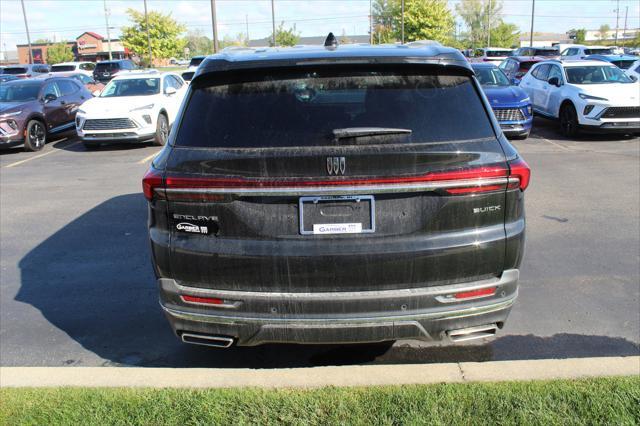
[
  {"x": 556, "y": 144},
  {"x": 148, "y": 158},
  {"x": 17, "y": 163}
]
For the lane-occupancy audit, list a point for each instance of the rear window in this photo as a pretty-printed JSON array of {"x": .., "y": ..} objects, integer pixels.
[
  {"x": 107, "y": 66},
  {"x": 625, "y": 65},
  {"x": 63, "y": 68},
  {"x": 15, "y": 70},
  {"x": 195, "y": 62},
  {"x": 306, "y": 108},
  {"x": 497, "y": 53},
  {"x": 546, "y": 52}
]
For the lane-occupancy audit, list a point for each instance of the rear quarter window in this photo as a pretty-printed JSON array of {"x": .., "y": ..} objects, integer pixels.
[{"x": 303, "y": 108}]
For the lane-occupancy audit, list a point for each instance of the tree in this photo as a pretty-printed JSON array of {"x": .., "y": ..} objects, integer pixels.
[
  {"x": 164, "y": 33},
  {"x": 603, "y": 32},
  {"x": 505, "y": 35},
  {"x": 578, "y": 35},
  {"x": 239, "y": 40},
  {"x": 59, "y": 52},
  {"x": 285, "y": 37},
  {"x": 344, "y": 39},
  {"x": 478, "y": 15},
  {"x": 423, "y": 20},
  {"x": 42, "y": 41},
  {"x": 198, "y": 43}
]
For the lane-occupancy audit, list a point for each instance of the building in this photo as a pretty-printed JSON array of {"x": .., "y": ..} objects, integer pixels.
[
  {"x": 88, "y": 46},
  {"x": 594, "y": 35},
  {"x": 543, "y": 39}
]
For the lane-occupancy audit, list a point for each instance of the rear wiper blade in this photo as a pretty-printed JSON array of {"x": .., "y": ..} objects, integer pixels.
[{"x": 355, "y": 132}]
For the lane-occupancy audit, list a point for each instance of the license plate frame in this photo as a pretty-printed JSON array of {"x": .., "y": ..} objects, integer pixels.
[{"x": 337, "y": 198}]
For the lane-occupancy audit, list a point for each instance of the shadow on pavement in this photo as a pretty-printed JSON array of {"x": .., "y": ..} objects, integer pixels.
[
  {"x": 93, "y": 280},
  {"x": 550, "y": 129}
]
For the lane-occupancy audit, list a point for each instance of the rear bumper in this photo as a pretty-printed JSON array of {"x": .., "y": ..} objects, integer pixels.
[{"x": 253, "y": 318}]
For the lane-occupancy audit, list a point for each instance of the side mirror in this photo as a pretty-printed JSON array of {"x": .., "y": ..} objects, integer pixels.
[
  {"x": 49, "y": 97},
  {"x": 554, "y": 81},
  {"x": 633, "y": 78},
  {"x": 170, "y": 91},
  {"x": 515, "y": 81},
  {"x": 96, "y": 93}
]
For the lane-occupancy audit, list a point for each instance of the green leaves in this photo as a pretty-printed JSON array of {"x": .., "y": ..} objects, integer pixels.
[
  {"x": 59, "y": 52},
  {"x": 164, "y": 32},
  {"x": 423, "y": 20},
  {"x": 285, "y": 37}
]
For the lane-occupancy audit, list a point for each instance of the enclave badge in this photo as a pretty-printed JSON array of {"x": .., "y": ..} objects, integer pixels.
[{"x": 336, "y": 165}]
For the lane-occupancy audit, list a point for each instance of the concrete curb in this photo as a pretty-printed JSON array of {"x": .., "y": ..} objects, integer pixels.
[{"x": 364, "y": 375}]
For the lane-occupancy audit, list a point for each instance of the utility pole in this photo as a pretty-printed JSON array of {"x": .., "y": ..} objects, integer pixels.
[
  {"x": 24, "y": 14},
  {"x": 624, "y": 32},
  {"x": 489, "y": 25},
  {"x": 214, "y": 25},
  {"x": 146, "y": 19},
  {"x": 617, "y": 18},
  {"x": 246, "y": 21},
  {"x": 533, "y": 12},
  {"x": 402, "y": 22},
  {"x": 370, "y": 21},
  {"x": 106, "y": 20},
  {"x": 273, "y": 24}
]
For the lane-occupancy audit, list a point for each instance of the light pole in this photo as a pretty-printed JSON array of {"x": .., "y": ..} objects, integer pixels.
[
  {"x": 246, "y": 21},
  {"x": 146, "y": 19},
  {"x": 106, "y": 20},
  {"x": 402, "y": 32},
  {"x": 624, "y": 32},
  {"x": 214, "y": 26},
  {"x": 489, "y": 25},
  {"x": 533, "y": 12},
  {"x": 273, "y": 24},
  {"x": 617, "y": 19},
  {"x": 370, "y": 21},
  {"x": 26, "y": 26}
]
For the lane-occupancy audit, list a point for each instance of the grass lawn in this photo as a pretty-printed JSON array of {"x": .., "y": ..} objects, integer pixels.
[{"x": 592, "y": 401}]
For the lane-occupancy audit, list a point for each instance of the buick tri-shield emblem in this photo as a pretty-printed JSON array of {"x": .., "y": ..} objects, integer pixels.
[{"x": 336, "y": 165}]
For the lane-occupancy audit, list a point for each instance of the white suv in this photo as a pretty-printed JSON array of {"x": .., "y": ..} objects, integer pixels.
[
  {"x": 584, "y": 95},
  {"x": 138, "y": 106},
  {"x": 85, "y": 68},
  {"x": 579, "y": 51}
]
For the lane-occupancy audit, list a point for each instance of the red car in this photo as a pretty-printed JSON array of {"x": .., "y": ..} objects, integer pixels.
[{"x": 32, "y": 110}]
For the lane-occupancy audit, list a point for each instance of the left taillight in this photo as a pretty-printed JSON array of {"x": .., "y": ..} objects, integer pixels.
[
  {"x": 519, "y": 169},
  {"x": 151, "y": 180}
]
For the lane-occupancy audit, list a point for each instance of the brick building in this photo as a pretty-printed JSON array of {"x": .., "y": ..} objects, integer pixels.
[{"x": 88, "y": 46}]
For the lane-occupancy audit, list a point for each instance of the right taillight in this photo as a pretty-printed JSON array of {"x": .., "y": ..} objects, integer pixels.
[
  {"x": 519, "y": 169},
  {"x": 151, "y": 180}
]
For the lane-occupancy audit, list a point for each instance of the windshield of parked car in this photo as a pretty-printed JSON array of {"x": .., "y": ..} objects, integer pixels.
[
  {"x": 303, "y": 108},
  {"x": 19, "y": 92},
  {"x": 15, "y": 70},
  {"x": 62, "y": 68},
  {"x": 598, "y": 51},
  {"x": 595, "y": 74},
  {"x": 491, "y": 76},
  {"x": 131, "y": 87}
]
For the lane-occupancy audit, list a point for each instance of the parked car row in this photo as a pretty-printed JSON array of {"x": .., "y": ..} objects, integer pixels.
[{"x": 134, "y": 106}]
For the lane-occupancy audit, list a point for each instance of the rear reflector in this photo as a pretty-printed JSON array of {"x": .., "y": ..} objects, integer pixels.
[
  {"x": 521, "y": 171},
  {"x": 483, "y": 292},
  {"x": 205, "y": 300}
]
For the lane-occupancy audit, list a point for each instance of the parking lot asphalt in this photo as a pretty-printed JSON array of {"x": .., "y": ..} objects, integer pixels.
[{"x": 76, "y": 285}]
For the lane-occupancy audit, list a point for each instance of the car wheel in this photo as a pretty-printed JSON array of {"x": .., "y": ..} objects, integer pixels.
[
  {"x": 522, "y": 136},
  {"x": 162, "y": 130},
  {"x": 569, "y": 121},
  {"x": 35, "y": 136}
]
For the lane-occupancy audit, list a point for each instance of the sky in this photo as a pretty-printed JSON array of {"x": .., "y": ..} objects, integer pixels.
[{"x": 67, "y": 19}]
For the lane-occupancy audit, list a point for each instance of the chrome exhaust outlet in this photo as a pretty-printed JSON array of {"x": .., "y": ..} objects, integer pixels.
[
  {"x": 206, "y": 340},
  {"x": 471, "y": 333}
]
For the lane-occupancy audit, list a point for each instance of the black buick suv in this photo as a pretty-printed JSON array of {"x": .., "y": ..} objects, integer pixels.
[{"x": 336, "y": 195}]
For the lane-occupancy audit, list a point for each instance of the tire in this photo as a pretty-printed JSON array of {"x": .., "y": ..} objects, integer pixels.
[
  {"x": 35, "y": 136},
  {"x": 162, "y": 130},
  {"x": 569, "y": 121}
]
